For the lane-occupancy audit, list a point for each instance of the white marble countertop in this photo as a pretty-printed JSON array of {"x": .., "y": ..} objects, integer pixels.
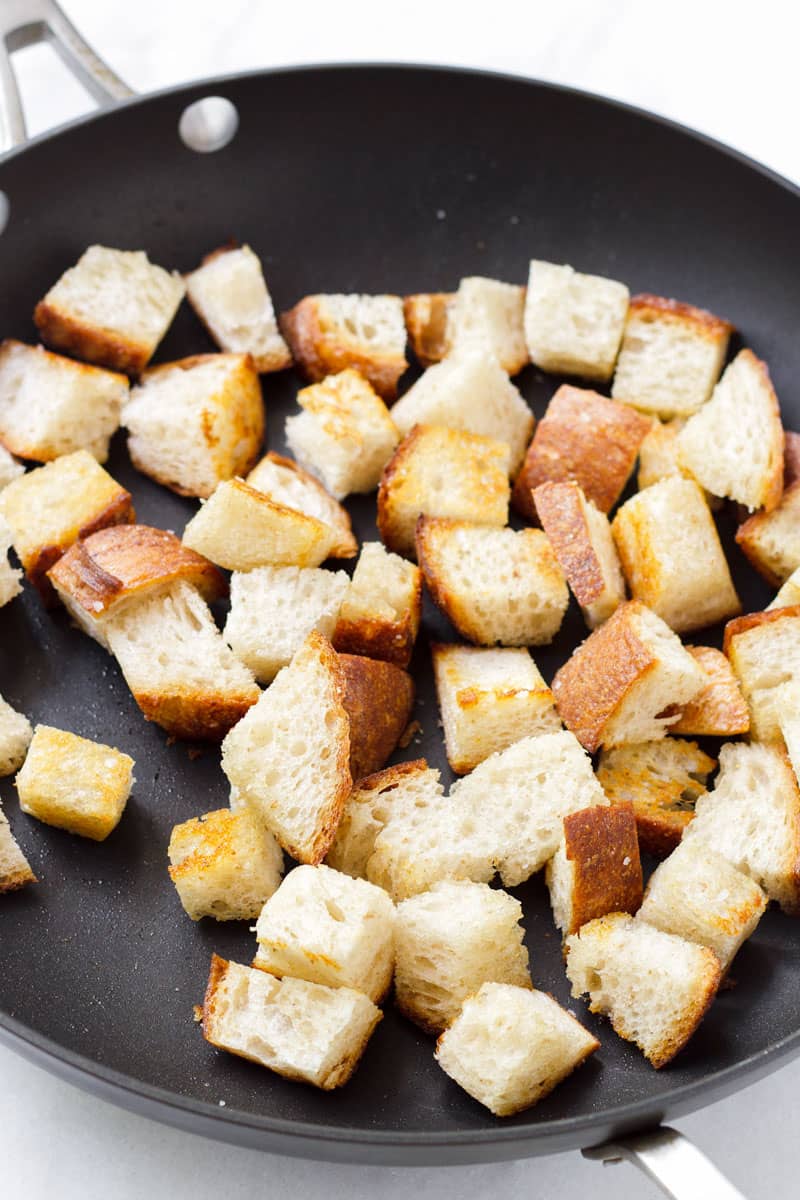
[{"x": 729, "y": 70}]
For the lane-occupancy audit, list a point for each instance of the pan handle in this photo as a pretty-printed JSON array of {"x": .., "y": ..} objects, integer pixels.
[
  {"x": 24, "y": 22},
  {"x": 670, "y": 1160}
]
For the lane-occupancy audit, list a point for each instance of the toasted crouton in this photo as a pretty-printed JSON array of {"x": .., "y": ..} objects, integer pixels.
[
  {"x": 327, "y": 334},
  {"x": 672, "y": 556},
  {"x": 584, "y": 437},
  {"x": 764, "y": 651},
  {"x": 662, "y": 781},
  {"x": 495, "y": 585},
  {"x": 720, "y": 710},
  {"x": 655, "y": 987},
  {"x": 509, "y": 1047},
  {"x": 788, "y": 594},
  {"x": 229, "y": 295},
  {"x": 289, "y": 756},
  {"x": 15, "y": 870},
  {"x": 488, "y": 317},
  {"x": 51, "y": 507},
  {"x": 489, "y": 699},
  {"x": 450, "y": 941},
  {"x": 791, "y": 457},
  {"x": 15, "y": 737},
  {"x": 326, "y": 927},
  {"x": 196, "y": 422},
  {"x": 574, "y": 322},
  {"x": 617, "y": 684},
  {"x": 10, "y": 577},
  {"x": 224, "y": 865},
  {"x": 671, "y": 356},
  {"x": 285, "y": 482},
  {"x": 442, "y": 473},
  {"x": 596, "y": 869},
  {"x": 581, "y": 538},
  {"x": 299, "y": 1030},
  {"x": 378, "y": 699},
  {"x": 382, "y": 608},
  {"x": 734, "y": 445},
  {"x": 344, "y": 433},
  {"x": 788, "y": 712},
  {"x": 9, "y": 468},
  {"x": 771, "y": 541},
  {"x": 658, "y": 458},
  {"x": 472, "y": 392},
  {"x": 427, "y": 317}
]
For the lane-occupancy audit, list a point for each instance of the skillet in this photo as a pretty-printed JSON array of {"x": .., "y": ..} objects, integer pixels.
[{"x": 354, "y": 178}]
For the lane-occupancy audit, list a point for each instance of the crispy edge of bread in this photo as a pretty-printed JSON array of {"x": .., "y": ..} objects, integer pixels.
[
  {"x": 119, "y": 511},
  {"x": 706, "y": 323},
  {"x": 74, "y": 336},
  {"x": 560, "y": 508},
  {"x": 720, "y": 710},
  {"x": 378, "y": 699},
  {"x": 593, "y": 840},
  {"x": 347, "y": 545},
  {"x": 751, "y": 620},
  {"x": 748, "y": 536},
  {"x": 427, "y": 316}
]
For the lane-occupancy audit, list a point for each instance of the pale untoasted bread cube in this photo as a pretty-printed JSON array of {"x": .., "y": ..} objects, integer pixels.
[
  {"x": 771, "y": 541},
  {"x": 764, "y": 651},
  {"x": 618, "y": 683},
  {"x": 224, "y": 865},
  {"x": 752, "y": 818},
  {"x": 73, "y": 783},
  {"x": 586, "y": 438},
  {"x": 442, "y": 473},
  {"x": 662, "y": 781},
  {"x": 15, "y": 737},
  {"x": 451, "y": 940},
  {"x": 15, "y": 870},
  {"x": 229, "y": 295},
  {"x": 273, "y": 610},
  {"x": 299, "y": 1030},
  {"x": 574, "y": 322},
  {"x": 330, "y": 333},
  {"x": 472, "y": 392},
  {"x": 327, "y": 927},
  {"x": 496, "y": 585},
  {"x": 427, "y": 317},
  {"x": 672, "y": 556},
  {"x": 581, "y": 538},
  {"x": 196, "y": 422},
  {"x": 697, "y": 894},
  {"x": 671, "y": 356},
  {"x": 509, "y": 1047},
  {"x": 288, "y": 757},
  {"x": 734, "y": 445},
  {"x": 53, "y": 506},
  {"x": 285, "y": 482},
  {"x": 10, "y": 577},
  {"x": 51, "y": 405},
  {"x": 596, "y": 869},
  {"x": 788, "y": 594},
  {"x": 240, "y": 528},
  {"x": 382, "y": 608},
  {"x": 720, "y": 710},
  {"x": 378, "y": 699},
  {"x": 344, "y": 434},
  {"x": 181, "y": 673},
  {"x": 489, "y": 699},
  {"x": 9, "y": 468},
  {"x": 489, "y": 317}
]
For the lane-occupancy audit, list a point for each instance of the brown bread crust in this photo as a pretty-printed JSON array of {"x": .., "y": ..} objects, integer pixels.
[
  {"x": 426, "y": 316},
  {"x": 195, "y": 716},
  {"x": 659, "y": 308},
  {"x": 558, "y": 506},
  {"x": 59, "y": 329},
  {"x": 378, "y": 698},
  {"x": 602, "y": 844},
  {"x": 720, "y": 710},
  {"x": 791, "y": 458},
  {"x": 749, "y": 621},
  {"x": 119, "y": 511},
  {"x": 748, "y": 533}
]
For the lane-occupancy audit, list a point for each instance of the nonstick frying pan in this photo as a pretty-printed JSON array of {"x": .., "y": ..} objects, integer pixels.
[{"x": 354, "y": 178}]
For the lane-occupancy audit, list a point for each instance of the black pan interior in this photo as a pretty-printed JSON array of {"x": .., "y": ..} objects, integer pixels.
[{"x": 356, "y": 179}]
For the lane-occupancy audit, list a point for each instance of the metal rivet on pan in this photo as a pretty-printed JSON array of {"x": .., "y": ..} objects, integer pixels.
[
  {"x": 5, "y": 211},
  {"x": 208, "y": 124}
]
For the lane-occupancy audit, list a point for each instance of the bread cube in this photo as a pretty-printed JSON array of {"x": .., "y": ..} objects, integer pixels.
[
  {"x": 764, "y": 651},
  {"x": 698, "y": 895},
  {"x": 50, "y": 405},
  {"x": 344, "y": 433},
  {"x": 468, "y": 391},
  {"x": 427, "y": 317},
  {"x": 382, "y": 608},
  {"x": 229, "y": 295},
  {"x": 289, "y": 756},
  {"x": 788, "y": 713},
  {"x": 618, "y": 684},
  {"x": 224, "y": 865},
  {"x": 771, "y": 540},
  {"x": 15, "y": 737},
  {"x": 671, "y": 356},
  {"x": 788, "y": 594},
  {"x": 73, "y": 783},
  {"x": 240, "y": 528},
  {"x": 102, "y": 575},
  {"x": 9, "y": 468},
  {"x": 586, "y": 438},
  {"x": 720, "y": 710},
  {"x": 442, "y": 473},
  {"x": 488, "y": 316},
  {"x": 378, "y": 699},
  {"x": 509, "y": 1047},
  {"x": 297, "y": 1029},
  {"x": 15, "y": 870},
  {"x": 327, "y": 334},
  {"x": 581, "y": 539},
  {"x": 181, "y": 673},
  {"x": 596, "y": 869},
  {"x": 51, "y": 507},
  {"x": 196, "y": 422},
  {"x": 655, "y": 987},
  {"x": 574, "y": 322},
  {"x": 662, "y": 781},
  {"x": 10, "y": 577},
  {"x": 326, "y": 927},
  {"x": 734, "y": 446},
  {"x": 672, "y": 556},
  {"x": 495, "y": 585},
  {"x": 273, "y": 610},
  {"x": 658, "y": 453},
  {"x": 489, "y": 699},
  {"x": 286, "y": 483}
]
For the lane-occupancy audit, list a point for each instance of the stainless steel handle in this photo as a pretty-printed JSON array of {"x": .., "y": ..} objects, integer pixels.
[
  {"x": 24, "y": 22},
  {"x": 671, "y": 1161}
]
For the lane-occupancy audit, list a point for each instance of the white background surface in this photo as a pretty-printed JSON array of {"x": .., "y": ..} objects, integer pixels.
[{"x": 727, "y": 69}]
